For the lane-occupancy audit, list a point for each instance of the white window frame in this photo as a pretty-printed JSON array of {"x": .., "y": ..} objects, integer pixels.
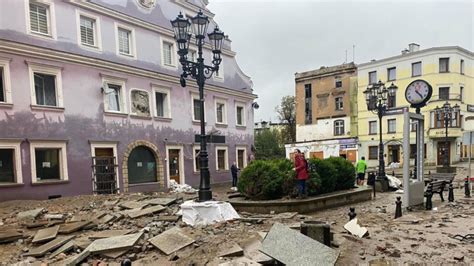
[
  {"x": 131, "y": 102},
  {"x": 48, "y": 70},
  {"x": 63, "y": 172},
  {"x": 237, "y": 149},
  {"x": 341, "y": 107},
  {"x": 244, "y": 116},
  {"x": 195, "y": 148},
  {"x": 15, "y": 145},
  {"x": 343, "y": 125},
  {"x": 133, "y": 50},
  {"x": 97, "y": 34},
  {"x": 182, "y": 173},
  {"x": 224, "y": 111},
  {"x": 51, "y": 18},
  {"x": 123, "y": 100},
  {"x": 394, "y": 125},
  {"x": 7, "y": 89},
  {"x": 226, "y": 158},
  {"x": 190, "y": 51},
  {"x": 174, "y": 58},
  {"x": 112, "y": 146},
  {"x": 164, "y": 90},
  {"x": 195, "y": 96},
  {"x": 219, "y": 77}
]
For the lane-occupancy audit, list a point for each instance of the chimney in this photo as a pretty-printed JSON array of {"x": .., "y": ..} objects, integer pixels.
[{"x": 413, "y": 47}]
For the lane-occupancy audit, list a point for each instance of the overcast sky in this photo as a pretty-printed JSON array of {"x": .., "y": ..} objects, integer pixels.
[{"x": 275, "y": 39}]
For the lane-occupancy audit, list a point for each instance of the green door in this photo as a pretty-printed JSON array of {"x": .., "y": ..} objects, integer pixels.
[{"x": 141, "y": 166}]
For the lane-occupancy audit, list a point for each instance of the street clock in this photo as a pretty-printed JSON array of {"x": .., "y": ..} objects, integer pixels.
[{"x": 418, "y": 93}]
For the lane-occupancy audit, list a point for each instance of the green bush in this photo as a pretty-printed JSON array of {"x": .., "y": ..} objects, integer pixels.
[
  {"x": 261, "y": 180},
  {"x": 345, "y": 174},
  {"x": 286, "y": 166},
  {"x": 326, "y": 178}
]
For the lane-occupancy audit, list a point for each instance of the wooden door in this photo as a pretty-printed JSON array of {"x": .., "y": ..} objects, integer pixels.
[
  {"x": 442, "y": 153},
  {"x": 173, "y": 164}
]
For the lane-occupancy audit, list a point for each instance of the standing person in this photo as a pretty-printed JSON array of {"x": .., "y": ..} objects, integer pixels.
[
  {"x": 361, "y": 167},
  {"x": 301, "y": 169},
  {"x": 234, "y": 170}
]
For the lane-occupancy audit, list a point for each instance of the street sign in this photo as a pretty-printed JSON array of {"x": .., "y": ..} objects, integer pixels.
[{"x": 210, "y": 138}]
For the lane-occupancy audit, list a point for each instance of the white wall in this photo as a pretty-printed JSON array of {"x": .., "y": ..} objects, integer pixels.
[{"x": 323, "y": 129}]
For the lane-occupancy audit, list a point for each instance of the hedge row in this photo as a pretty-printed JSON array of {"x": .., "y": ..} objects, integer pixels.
[{"x": 273, "y": 179}]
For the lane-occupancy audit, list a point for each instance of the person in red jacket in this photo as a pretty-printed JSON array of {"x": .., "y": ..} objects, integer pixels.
[{"x": 301, "y": 169}]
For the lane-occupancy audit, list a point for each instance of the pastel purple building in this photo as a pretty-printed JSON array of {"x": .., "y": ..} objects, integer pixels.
[{"x": 90, "y": 100}]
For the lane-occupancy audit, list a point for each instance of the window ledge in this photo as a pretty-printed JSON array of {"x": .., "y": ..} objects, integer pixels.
[
  {"x": 47, "y": 108},
  {"x": 163, "y": 119},
  {"x": 221, "y": 125},
  {"x": 6, "y": 105},
  {"x": 49, "y": 182},
  {"x": 11, "y": 184},
  {"x": 240, "y": 127},
  {"x": 143, "y": 184},
  {"x": 198, "y": 123},
  {"x": 222, "y": 171},
  {"x": 115, "y": 114},
  {"x": 141, "y": 117}
]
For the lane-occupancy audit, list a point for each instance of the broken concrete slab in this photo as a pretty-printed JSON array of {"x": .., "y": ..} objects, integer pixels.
[
  {"x": 168, "y": 218},
  {"x": 240, "y": 261},
  {"x": 160, "y": 201},
  {"x": 82, "y": 242},
  {"x": 142, "y": 212},
  {"x": 46, "y": 234},
  {"x": 10, "y": 236},
  {"x": 30, "y": 215},
  {"x": 55, "y": 216},
  {"x": 109, "y": 233},
  {"x": 50, "y": 246},
  {"x": 77, "y": 259},
  {"x": 293, "y": 248},
  {"x": 72, "y": 227},
  {"x": 35, "y": 224},
  {"x": 252, "y": 248},
  {"x": 105, "y": 219},
  {"x": 114, "y": 243},
  {"x": 133, "y": 204},
  {"x": 285, "y": 215},
  {"x": 115, "y": 253},
  {"x": 354, "y": 228},
  {"x": 64, "y": 248},
  {"x": 171, "y": 240},
  {"x": 233, "y": 251}
]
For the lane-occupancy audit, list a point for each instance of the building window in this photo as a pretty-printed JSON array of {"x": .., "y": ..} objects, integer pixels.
[
  {"x": 416, "y": 69},
  {"x": 168, "y": 52},
  {"x": 444, "y": 93},
  {"x": 240, "y": 119},
  {"x": 114, "y": 96},
  {"x": 221, "y": 159},
  {"x": 372, "y": 127},
  {"x": 196, "y": 109},
  {"x": 308, "y": 104},
  {"x": 437, "y": 121},
  {"x": 219, "y": 75},
  {"x": 241, "y": 158},
  {"x": 461, "y": 67},
  {"x": 10, "y": 162},
  {"x": 197, "y": 159},
  {"x": 221, "y": 112},
  {"x": 125, "y": 41},
  {"x": 392, "y": 125},
  {"x": 461, "y": 93},
  {"x": 140, "y": 103},
  {"x": 373, "y": 152},
  {"x": 339, "y": 103},
  {"x": 49, "y": 161},
  {"x": 392, "y": 101},
  {"x": 192, "y": 55},
  {"x": 338, "y": 127},
  {"x": 373, "y": 77},
  {"x": 40, "y": 18},
  {"x": 338, "y": 82},
  {"x": 88, "y": 31},
  {"x": 391, "y": 74},
  {"x": 46, "y": 85},
  {"x": 444, "y": 65},
  {"x": 2, "y": 86}
]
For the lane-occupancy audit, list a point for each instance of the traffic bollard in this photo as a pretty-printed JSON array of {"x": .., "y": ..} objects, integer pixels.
[
  {"x": 352, "y": 213},
  {"x": 451, "y": 192},
  {"x": 398, "y": 208}
]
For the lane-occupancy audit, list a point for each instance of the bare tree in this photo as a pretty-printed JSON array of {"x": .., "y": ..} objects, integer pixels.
[{"x": 287, "y": 115}]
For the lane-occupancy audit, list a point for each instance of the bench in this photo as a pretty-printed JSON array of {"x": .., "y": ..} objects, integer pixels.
[
  {"x": 436, "y": 187},
  {"x": 446, "y": 177}
]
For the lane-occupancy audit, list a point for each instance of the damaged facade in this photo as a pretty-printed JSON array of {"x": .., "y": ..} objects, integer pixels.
[{"x": 90, "y": 100}]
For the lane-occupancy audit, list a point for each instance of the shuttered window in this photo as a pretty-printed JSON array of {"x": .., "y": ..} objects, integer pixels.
[
  {"x": 88, "y": 31},
  {"x": 39, "y": 18},
  {"x": 168, "y": 53},
  {"x": 124, "y": 41}
]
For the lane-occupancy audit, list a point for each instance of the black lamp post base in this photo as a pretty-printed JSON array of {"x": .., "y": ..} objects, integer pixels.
[
  {"x": 446, "y": 169},
  {"x": 205, "y": 195},
  {"x": 381, "y": 185}
]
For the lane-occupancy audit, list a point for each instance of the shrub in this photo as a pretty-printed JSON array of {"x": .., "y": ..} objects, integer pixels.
[
  {"x": 261, "y": 180},
  {"x": 286, "y": 166},
  {"x": 345, "y": 174},
  {"x": 326, "y": 176}
]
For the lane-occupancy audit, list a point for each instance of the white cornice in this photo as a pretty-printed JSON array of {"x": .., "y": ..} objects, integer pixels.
[
  {"x": 135, "y": 21},
  {"x": 53, "y": 55},
  {"x": 194, "y": 8}
]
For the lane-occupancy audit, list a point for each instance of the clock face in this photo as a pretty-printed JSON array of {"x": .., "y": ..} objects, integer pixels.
[{"x": 418, "y": 92}]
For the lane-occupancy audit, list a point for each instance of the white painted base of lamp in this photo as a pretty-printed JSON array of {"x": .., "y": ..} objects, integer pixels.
[{"x": 208, "y": 212}]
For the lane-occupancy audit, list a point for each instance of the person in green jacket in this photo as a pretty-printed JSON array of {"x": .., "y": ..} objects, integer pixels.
[{"x": 361, "y": 167}]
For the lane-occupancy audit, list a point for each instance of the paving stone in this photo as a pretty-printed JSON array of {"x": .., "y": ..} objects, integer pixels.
[
  {"x": 234, "y": 251},
  {"x": 168, "y": 218},
  {"x": 134, "y": 204},
  {"x": 105, "y": 219},
  {"x": 240, "y": 261},
  {"x": 160, "y": 201},
  {"x": 51, "y": 245},
  {"x": 114, "y": 243},
  {"x": 45, "y": 234},
  {"x": 10, "y": 236},
  {"x": 72, "y": 227},
  {"x": 252, "y": 248},
  {"x": 293, "y": 248},
  {"x": 36, "y": 224},
  {"x": 285, "y": 215},
  {"x": 138, "y": 213},
  {"x": 82, "y": 242},
  {"x": 64, "y": 248},
  {"x": 354, "y": 228},
  {"x": 171, "y": 240},
  {"x": 77, "y": 259},
  {"x": 109, "y": 233},
  {"x": 115, "y": 254},
  {"x": 31, "y": 214}
]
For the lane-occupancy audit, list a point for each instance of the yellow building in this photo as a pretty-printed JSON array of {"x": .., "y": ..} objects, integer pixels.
[{"x": 450, "y": 72}]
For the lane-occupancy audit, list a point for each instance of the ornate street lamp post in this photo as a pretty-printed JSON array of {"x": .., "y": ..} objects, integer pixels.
[
  {"x": 200, "y": 72},
  {"x": 448, "y": 114},
  {"x": 376, "y": 96}
]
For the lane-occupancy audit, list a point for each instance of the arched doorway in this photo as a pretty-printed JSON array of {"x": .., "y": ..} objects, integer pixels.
[{"x": 142, "y": 166}]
